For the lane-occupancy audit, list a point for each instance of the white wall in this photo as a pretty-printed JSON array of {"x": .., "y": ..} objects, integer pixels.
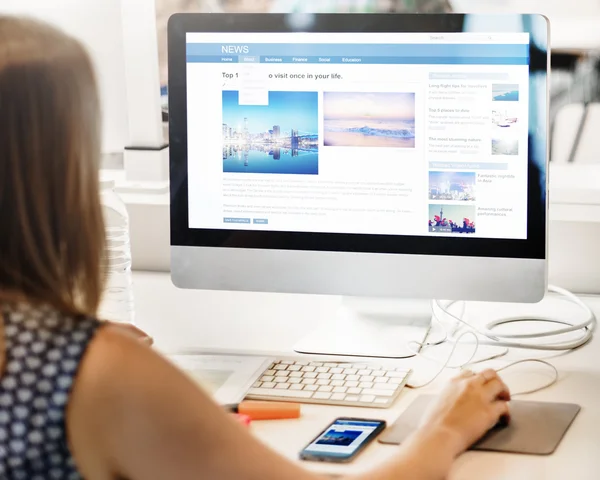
[{"x": 98, "y": 25}]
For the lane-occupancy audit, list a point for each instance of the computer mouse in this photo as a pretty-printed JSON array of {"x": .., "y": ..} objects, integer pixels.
[{"x": 502, "y": 423}]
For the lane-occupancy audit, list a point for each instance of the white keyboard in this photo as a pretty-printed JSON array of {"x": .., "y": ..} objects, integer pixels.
[{"x": 334, "y": 383}]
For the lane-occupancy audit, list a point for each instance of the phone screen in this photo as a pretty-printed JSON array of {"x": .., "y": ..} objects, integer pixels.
[{"x": 342, "y": 439}]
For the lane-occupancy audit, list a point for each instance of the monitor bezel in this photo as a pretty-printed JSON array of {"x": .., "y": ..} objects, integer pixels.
[{"x": 533, "y": 247}]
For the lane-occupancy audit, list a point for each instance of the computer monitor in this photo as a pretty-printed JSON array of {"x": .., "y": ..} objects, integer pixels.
[{"x": 389, "y": 159}]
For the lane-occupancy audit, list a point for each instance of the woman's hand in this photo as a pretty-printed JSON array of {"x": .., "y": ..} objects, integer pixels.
[
  {"x": 468, "y": 407},
  {"x": 132, "y": 330}
]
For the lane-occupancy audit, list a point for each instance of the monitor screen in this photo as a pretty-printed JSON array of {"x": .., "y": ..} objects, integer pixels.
[{"x": 401, "y": 134}]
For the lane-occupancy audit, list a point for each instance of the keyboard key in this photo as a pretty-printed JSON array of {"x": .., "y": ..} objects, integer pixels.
[
  {"x": 338, "y": 396},
  {"x": 316, "y": 364},
  {"x": 355, "y": 391},
  {"x": 331, "y": 365},
  {"x": 311, "y": 388},
  {"x": 301, "y": 363},
  {"x": 294, "y": 380},
  {"x": 267, "y": 378},
  {"x": 294, "y": 368},
  {"x": 280, "y": 393},
  {"x": 325, "y": 376},
  {"x": 339, "y": 390},
  {"x": 350, "y": 371},
  {"x": 352, "y": 398},
  {"x": 321, "y": 396},
  {"x": 365, "y": 372},
  {"x": 381, "y": 380},
  {"x": 325, "y": 388},
  {"x": 337, "y": 383},
  {"x": 376, "y": 373},
  {"x": 296, "y": 374},
  {"x": 287, "y": 362},
  {"x": 336, "y": 370},
  {"x": 310, "y": 375},
  {"x": 366, "y": 378},
  {"x": 282, "y": 386},
  {"x": 367, "y": 398},
  {"x": 280, "y": 380},
  {"x": 282, "y": 373},
  {"x": 382, "y": 401},
  {"x": 396, "y": 381},
  {"x": 309, "y": 381},
  {"x": 268, "y": 385},
  {"x": 365, "y": 384},
  {"x": 271, "y": 372},
  {"x": 322, "y": 382},
  {"x": 322, "y": 370},
  {"x": 378, "y": 392},
  {"x": 353, "y": 378},
  {"x": 360, "y": 366},
  {"x": 396, "y": 374},
  {"x": 296, "y": 387},
  {"x": 279, "y": 367},
  {"x": 257, "y": 384},
  {"x": 308, "y": 369},
  {"x": 338, "y": 376},
  {"x": 387, "y": 386},
  {"x": 351, "y": 384}
]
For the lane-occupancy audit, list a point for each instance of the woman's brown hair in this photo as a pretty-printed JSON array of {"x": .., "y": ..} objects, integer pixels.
[{"x": 52, "y": 230}]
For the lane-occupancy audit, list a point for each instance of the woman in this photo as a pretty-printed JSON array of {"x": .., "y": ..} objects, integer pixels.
[{"x": 83, "y": 399}]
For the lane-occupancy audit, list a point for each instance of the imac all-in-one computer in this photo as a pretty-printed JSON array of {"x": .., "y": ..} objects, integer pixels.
[{"x": 383, "y": 158}]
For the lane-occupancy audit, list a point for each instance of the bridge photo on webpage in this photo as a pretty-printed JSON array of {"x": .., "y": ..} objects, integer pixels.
[{"x": 279, "y": 138}]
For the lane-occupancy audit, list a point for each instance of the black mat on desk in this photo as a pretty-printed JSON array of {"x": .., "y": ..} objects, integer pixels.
[{"x": 536, "y": 428}]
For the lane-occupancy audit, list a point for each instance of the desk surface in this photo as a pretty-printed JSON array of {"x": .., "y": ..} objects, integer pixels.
[{"x": 271, "y": 324}]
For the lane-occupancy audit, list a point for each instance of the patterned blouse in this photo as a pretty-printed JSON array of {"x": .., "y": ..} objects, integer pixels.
[{"x": 43, "y": 352}]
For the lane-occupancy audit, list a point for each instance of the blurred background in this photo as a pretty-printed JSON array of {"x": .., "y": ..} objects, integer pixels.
[{"x": 575, "y": 41}]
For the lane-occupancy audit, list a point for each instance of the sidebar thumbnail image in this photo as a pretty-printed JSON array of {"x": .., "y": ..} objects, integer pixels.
[
  {"x": 451, "y": 218},
  {"x": 452, "y": 186}
]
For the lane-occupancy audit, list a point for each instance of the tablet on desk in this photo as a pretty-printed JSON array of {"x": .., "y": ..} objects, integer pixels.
[{"x": 536, "y": 428}]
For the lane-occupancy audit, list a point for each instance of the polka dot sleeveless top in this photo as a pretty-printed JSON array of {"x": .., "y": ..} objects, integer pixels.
[{"x": 43, "y": 351}]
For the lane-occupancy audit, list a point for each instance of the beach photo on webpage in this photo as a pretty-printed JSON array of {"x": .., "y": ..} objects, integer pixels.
[
  {"x": 278, "y": 138},
  {"x": 369, "y": 119}
]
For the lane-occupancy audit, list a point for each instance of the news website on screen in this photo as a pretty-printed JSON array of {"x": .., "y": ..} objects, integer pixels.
[{"x": 401, "y": 134}]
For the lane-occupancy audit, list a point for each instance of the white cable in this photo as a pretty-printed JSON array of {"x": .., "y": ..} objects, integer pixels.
[
  {"x": 536, "y": 389},
  {"x": 586, "y": 329},
  {"x": 445, "y": 365}
]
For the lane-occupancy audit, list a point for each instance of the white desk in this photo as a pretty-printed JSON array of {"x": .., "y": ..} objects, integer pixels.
[{"x": 264, "y": 323}]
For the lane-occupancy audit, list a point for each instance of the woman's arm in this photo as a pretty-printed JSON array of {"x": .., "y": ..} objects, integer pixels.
[{"x": 134, "y": 415}]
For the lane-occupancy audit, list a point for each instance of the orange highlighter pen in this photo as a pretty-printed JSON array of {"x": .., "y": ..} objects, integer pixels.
[{"x": 258, "y": 410}]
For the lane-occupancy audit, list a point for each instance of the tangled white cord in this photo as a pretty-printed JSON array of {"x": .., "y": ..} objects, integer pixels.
[{"x": 487, "y": 336}]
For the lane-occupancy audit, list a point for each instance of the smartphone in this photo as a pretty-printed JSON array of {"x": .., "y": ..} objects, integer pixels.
[{"x": 342, "y": 440}]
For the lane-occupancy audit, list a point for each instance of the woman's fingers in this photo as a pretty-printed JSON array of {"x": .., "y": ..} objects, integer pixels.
[
  {"x": 502, "y": 411},
  {"x": 487, "y": 376},
  {"x": 496, "y": 389}
]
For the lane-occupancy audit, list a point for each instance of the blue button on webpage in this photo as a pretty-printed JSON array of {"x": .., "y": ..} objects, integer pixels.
[
  {"x": 236, "y": 220},
  {"x": 260, "y": 221}
]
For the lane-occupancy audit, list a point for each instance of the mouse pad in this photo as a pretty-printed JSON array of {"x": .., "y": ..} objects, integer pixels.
[{"x": 535, "y": 428}]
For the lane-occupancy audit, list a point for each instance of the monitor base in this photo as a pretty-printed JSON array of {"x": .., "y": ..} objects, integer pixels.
[{"x": 364, "y": 327}]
